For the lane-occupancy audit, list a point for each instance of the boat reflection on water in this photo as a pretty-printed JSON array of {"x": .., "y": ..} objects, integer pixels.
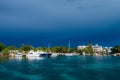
[
  {"x": 35, "y": 58},
  {"x": 25, "y": 58},
  {"x": 16, "y": 58},
  {"x": 19, "y": 58}
]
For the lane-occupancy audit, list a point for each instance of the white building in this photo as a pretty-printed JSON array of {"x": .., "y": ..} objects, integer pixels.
[
  {"x": 81, "y": 47},
  {"x": 97, "y": 49},
  {"x": 108, "y": 49}
]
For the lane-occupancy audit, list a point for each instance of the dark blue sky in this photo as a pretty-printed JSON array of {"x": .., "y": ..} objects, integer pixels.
[{"x": 38, "y": 22}]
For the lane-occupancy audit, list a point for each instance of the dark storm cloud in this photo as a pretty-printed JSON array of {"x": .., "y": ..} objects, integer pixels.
[{"x": 60, "y": 19}]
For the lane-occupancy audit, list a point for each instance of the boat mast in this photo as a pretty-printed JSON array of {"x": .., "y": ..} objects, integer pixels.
[
  {"x": 49, "y": 47},
  {"x": 69, "y": 46}
]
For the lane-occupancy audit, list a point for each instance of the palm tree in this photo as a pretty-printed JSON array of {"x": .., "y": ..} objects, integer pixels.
[
  {"x": 2, "y": 46},
  {"x": 90, "y": 49},
  {"x": 42, "y": 48},
  {"x": 59, "y": 49},
  {"x": 116, "y": 49},
  {"x": 26, "y": 47},
  {"x": 12, "y": 49},
  {"x": 5, "y": 51}
]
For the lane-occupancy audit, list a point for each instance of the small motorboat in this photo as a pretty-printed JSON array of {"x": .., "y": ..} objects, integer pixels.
[
  {"x": 33, "y": 54},
  {"x": 54, "y": 55},
  {"x": 19, "y": 55}
]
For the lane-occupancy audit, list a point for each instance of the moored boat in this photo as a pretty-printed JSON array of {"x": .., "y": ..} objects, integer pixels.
[
  {"x": 19, "y": 55},
  {"x": 68, "y": 54},
  {"x": 46, "y": 54},
  {"x": 71, "y": 54},
  {"x": 54, "y": 55},
  {"x": 33, "y": 54}
]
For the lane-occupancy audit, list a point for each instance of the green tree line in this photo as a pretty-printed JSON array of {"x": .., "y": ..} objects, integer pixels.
[
  {"x": 116, "y": 49},
  {"x": 57, "y": 49}
]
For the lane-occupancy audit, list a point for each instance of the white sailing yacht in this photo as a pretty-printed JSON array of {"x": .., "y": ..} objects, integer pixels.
[{"x": 69, "y": 54}]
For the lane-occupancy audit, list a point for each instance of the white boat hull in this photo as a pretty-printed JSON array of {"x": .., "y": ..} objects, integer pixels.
[
  {"x": 54, "y": 55},
  {"x": 19, "y": 55},
  {"x": 68, "y": 54},
  {"x": 33, "y": 55}
]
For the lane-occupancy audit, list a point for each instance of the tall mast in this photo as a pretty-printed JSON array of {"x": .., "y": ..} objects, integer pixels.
[
  {"x": 69, "y": 46},
  {"x": 49, "y": 47}
]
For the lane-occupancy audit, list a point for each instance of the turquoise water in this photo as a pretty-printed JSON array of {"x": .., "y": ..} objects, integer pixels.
[{"x": 61, "y": 68}]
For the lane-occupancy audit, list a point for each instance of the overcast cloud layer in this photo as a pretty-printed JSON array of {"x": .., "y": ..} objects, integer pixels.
[{"x": 55, "y": 21}]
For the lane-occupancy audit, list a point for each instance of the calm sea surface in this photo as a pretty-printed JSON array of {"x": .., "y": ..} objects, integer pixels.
[{"x": 61, "y": 68}]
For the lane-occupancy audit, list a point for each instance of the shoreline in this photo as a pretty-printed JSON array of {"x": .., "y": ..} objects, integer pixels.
[{"x": 63, "y": 54}]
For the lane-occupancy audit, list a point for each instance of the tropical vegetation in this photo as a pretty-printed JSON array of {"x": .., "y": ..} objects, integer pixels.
[
  {"x": 116, "y": 49},
  {"x": 6, "y": 50},
  {"x": 2, "y": 46}
]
